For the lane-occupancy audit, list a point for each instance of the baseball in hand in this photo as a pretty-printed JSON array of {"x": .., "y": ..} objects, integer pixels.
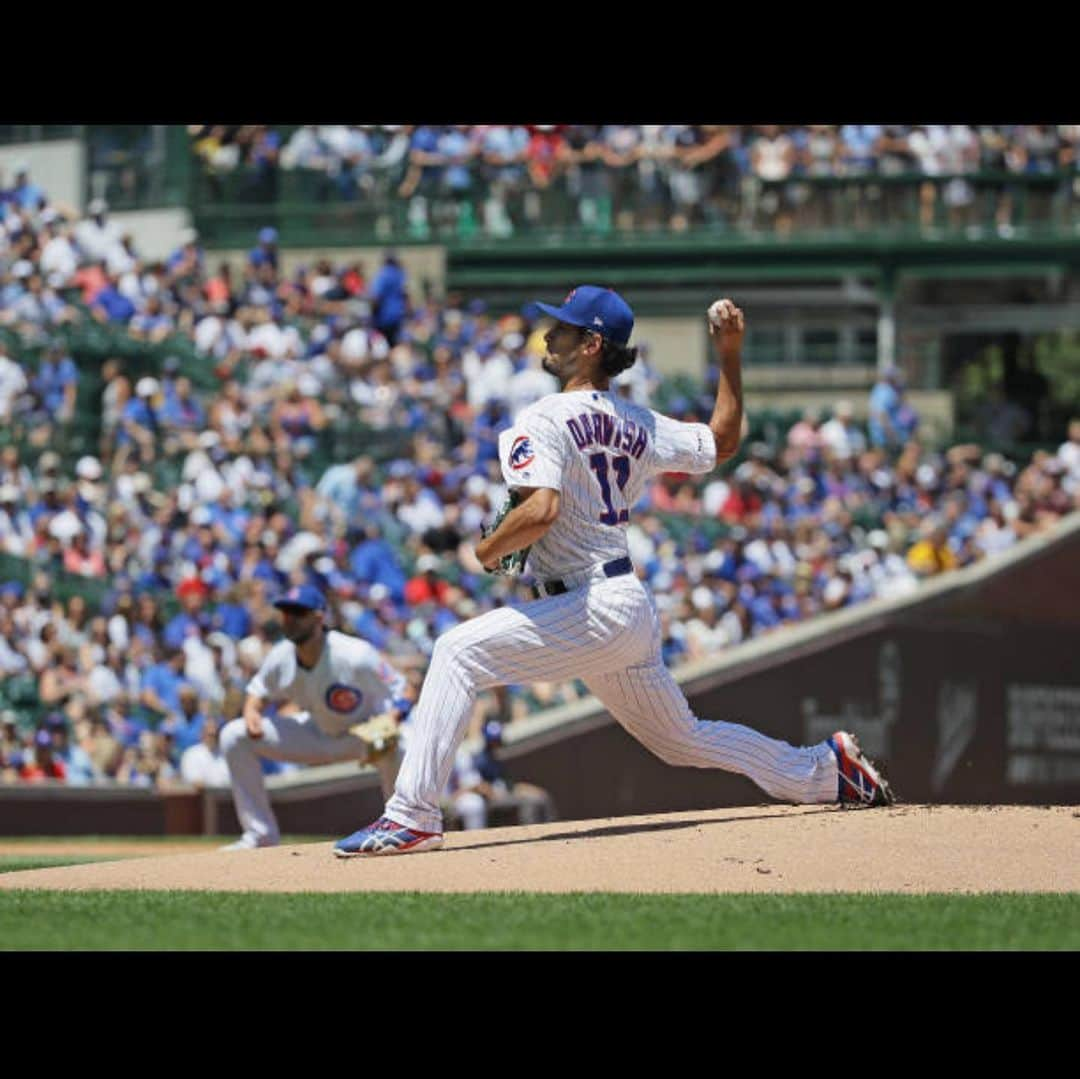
[{"x": 725, "y": 315}]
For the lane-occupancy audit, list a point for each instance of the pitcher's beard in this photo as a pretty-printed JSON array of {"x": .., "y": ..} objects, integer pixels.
[
  {"x": 300, "y": 637},
  {"x": 552, "y": 368}
]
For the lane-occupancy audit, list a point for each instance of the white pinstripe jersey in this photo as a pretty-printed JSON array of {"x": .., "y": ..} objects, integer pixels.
[
  {"x": 350, "y": 683},
  {"x": 599, "y": 451}
]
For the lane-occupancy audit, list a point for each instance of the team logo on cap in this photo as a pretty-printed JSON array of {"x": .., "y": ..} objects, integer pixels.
[
  {"x": 569, "y": 296},
  {"x": 342, "y": 698},
  {"x": 521, "y": 453}
]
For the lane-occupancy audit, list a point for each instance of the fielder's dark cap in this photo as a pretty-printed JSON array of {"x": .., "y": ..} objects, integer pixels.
[
  {"x": 601, "y": 310},
  {"x": 303, "y": 596}
]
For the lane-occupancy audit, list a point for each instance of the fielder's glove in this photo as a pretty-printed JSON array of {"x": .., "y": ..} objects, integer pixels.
[
  {"x": 380, "y": 733},
  {"x": 513, "y": 563}
]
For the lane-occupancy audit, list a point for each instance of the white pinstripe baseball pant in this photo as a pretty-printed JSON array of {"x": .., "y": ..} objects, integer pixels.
[{"x": 606, "y": 633}]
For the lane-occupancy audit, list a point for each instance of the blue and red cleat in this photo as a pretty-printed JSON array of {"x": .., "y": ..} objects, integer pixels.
[
  {"x": 861, "y": 783},
  {"x": 386, "y": 837}
]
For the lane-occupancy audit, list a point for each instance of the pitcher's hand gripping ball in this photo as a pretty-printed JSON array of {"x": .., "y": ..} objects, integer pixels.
[
  {"x": 513, "y": 563},
  {"x": 726, "y": 319},
  {"x": 381, "y": 734}
]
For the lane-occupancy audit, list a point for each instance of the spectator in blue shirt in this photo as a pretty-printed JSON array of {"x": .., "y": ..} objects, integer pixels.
[
  {"x": 188, "y": 258},
  {"x": 186, "y": 723},
  {"x": 504, "y": 152},
  {"x": 182, "y": 411},
  {"x": 232, "y": 617},
  {"x": 56, "y": 383},
  {"x": 459, "y": 150},
  {"x": 389, "y": 298},
  {"x": 267, "y": 250},
  {"x": 228, "y": 517},
  {"x": 892, "y": 422},
  {"x": 368, "y": 626},
  {"x": 111, "y": 305},
  {"x": 154, "y": 579},
  {"x": 425, "y": 163},
  {"x": 78, "y": 768},
  {"x": 151, "y": 322},
  {"x": 161, "y": 683},
  {"x": 192, "y": 618},
  {"x": 350, "y": 487},
  {"x": 139, "y": 422},
  {"x": 25, "y": 194},
  {"x": 486, "y": 428},
  {"x": 374, "y": 561},
  {"x": 859, "y": 148}
]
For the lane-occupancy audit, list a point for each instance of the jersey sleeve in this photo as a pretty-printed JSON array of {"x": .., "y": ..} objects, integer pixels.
[
  {"x": 532, "y": 453},
  {"x": 372, "y": 668},
  {"x": 265, "y": 681},
  {"x": 683, "y": 447},
  {"x": 395, "y": 682}
]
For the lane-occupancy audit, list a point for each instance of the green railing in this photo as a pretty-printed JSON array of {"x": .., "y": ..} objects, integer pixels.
[
  {"x": 307, "y": 209},
  {"x": 29, "y": 133},
  {"x": 138, "y": 166}
]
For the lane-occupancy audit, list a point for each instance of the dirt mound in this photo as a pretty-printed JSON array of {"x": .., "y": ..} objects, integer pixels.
[{"x": 750, "y": 849}]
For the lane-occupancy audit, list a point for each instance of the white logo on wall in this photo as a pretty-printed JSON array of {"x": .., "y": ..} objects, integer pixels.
[
  {"x": 869, "y": 721},
  {"x": 957, "y": 716},
  {"x": 1042, "y": 725}
]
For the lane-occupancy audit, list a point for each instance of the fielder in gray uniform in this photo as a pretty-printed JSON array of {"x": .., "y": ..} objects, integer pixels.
[
  {"x": 578, "y": 461},
  {"x": 338, "y": 682}
]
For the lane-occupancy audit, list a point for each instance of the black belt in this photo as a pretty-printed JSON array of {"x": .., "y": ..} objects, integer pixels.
[{"x": 611, "y": 569}]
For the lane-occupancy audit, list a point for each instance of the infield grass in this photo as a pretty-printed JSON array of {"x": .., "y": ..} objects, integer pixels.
[{"x": 222, "y": 921}]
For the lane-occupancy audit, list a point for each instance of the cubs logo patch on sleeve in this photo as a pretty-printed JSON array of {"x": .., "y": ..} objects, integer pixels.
[
  {"x": 521, "y": 453},
  {"x": 343, "y": 699}
]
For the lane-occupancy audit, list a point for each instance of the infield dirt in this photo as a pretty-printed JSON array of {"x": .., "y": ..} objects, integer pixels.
[{"x": 767, "y": 848}]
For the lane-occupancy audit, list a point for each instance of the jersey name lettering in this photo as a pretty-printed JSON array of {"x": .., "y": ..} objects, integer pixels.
[{"x": 600, "y": 429}]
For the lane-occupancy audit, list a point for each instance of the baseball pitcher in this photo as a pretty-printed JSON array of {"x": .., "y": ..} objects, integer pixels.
[{"x": 577, "y": 462}]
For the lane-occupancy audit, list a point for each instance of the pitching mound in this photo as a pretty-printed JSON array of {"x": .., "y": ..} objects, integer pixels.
[{"x": 750, "y": 849}]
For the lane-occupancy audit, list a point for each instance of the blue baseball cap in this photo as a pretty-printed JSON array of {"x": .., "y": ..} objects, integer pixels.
[
  {"x": 601, "y": 310},
  {"x": 303, "y": 595},
  {"x": 268, "y": 235}
]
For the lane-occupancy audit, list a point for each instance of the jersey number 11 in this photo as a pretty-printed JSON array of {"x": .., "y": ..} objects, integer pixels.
[{"x": 598, "y": 462}]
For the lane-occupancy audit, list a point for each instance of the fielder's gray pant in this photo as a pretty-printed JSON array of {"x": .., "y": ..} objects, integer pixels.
[
  {"x": 286, "y": 738},
  {"x": 607, "y": 633}
]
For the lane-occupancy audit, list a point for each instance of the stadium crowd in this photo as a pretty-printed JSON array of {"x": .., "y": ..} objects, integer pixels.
[
  {"x": 641, "y": 176},
  {"x": 132, "y": 689}
]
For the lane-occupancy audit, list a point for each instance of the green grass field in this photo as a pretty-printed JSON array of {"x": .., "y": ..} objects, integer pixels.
[{"x": 221, "y": 921}]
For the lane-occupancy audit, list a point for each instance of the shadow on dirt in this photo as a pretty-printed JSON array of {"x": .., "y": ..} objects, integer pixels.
[{"x": 608, "y": 830}]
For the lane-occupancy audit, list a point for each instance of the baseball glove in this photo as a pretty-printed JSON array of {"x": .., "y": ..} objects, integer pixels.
[
  {"x": 380, "y": 733},
  {"x": 513, "y": 563}
]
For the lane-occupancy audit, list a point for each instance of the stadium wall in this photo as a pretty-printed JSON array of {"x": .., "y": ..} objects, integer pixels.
[
  {"x": 57, "y": 167},
  {"x": 157, "y": 233}
]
